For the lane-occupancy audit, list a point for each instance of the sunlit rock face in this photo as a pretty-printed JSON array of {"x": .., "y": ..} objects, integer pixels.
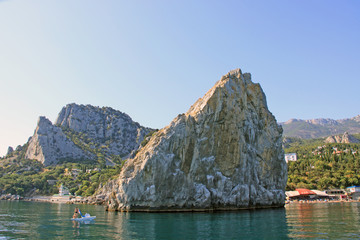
[
  {"x": 49, "y": 145},
  {"x": 224, "y": 153},
  {"x": 104, "y": 126},
  {"x": 104, "y": 130}
]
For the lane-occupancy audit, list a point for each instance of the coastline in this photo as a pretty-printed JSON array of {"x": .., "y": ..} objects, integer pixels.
[
  {"x": 317, "y": 201},
  {"x": 67, "y": 199},
  {"x": 51, "y": 199},
  {"x": 80, "y": 200}
]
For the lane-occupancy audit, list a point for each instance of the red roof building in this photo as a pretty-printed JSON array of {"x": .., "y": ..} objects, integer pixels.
[{"x": 305, "y": 192}]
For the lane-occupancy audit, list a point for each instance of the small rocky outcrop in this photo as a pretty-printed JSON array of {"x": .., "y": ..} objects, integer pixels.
[
  {"x": 49, "y": 145},
  {"x": 345, "y": 138},
  {"x": 10, "y": 197},
  {"x": 9, "y": 151},
  {"x": 224, "y": 153}
]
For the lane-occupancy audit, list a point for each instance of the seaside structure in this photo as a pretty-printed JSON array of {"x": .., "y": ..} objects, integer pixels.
[
  {"x": 290, "y": 157},
  {"x": 306, "y": 194},
  {"x": 336, "y": 193},
  {"x": 63, "y": 190},
  {"x": 353, "y": 192}
]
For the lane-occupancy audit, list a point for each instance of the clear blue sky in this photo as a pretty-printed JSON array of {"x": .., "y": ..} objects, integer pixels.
[{"x": 154, "y": 59}]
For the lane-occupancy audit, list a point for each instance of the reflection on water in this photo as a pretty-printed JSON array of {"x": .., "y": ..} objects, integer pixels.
[
  {"x": 323, "y": 220},
  {"x": 44, "y": 221},
  {"x": 260, "y": 224}
]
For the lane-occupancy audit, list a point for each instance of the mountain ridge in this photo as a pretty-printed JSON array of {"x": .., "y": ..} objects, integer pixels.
[{"x": 320, "y": 127}]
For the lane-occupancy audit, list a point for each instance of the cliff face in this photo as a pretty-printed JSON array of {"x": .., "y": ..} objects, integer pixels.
[
  {"x": 224, "y": 153},
  {"x": 49, "y": 145},
  {"x": 80, "y": 132},
  {"x": 104, "y": 126}
]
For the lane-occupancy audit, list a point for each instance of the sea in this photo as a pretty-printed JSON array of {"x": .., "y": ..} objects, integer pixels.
[{"x": 41, "y": 220}]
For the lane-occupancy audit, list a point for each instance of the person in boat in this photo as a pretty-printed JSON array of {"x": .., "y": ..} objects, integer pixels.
[{"x": 76, "y": 213}]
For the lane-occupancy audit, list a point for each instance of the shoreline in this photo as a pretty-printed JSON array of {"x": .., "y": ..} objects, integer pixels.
[
  {"x": 312, "y": 202},
  {"x": 79, "y": 200},
  {"x": 50, "y": 199},
  {"x": 67, "y": 199}
]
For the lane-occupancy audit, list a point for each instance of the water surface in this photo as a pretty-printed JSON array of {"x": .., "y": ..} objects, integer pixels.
[{"x": 35, "y": 220}]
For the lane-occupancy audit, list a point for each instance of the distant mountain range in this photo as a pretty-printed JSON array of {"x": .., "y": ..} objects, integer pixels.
[{"x": 321, "y": 127}]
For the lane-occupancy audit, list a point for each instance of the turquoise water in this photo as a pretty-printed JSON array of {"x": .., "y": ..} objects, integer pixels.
[{"x": 34, "y": 220}]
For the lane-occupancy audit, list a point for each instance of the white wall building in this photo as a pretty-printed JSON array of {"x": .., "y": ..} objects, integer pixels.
[
  {"x": 63, "y": 190},
  {"x": 290, "y": 157}
]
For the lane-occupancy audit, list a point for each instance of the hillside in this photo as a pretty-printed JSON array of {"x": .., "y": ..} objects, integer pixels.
[
  {"x": 323, "y": 166},
  {"x": 317, "y": 128},
  {"x": 84, "y": 133}
]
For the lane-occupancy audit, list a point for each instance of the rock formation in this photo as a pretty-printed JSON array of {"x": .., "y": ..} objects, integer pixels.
[
  {"x": 224, "y": 153},
  {"x": 345, "y": 138},
  {"x": 82, "y": 131},
  {"x": 104, "y": 126},
  {"x": 49, "y": 145},
  {"x": 9, "y": 151}
]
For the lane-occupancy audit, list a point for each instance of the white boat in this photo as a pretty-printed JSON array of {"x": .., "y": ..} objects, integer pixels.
[
  {"x": 89, "y": 218},
  {"x": 86, "y": 218}
]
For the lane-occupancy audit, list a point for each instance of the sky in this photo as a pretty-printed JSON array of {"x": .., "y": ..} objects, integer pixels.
[{"x": 154, "y": 59}]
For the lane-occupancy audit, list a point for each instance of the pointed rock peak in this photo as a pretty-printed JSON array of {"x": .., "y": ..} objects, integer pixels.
[
  {"x": 9, "y": 151},
  {"x": 232, "y": 86},
  {"x": 43, "y": 125},
  {"x": 224, "y": 153},
  {"x": 43, "y": 121}
]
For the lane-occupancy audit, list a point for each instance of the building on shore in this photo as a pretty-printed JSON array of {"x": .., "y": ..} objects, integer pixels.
[
  {"x": 353, "y": 192},
  {"x": 290, "y": 157},
  {"x": 306, "y": 194},
  {"x": 337, "y": 194},
  {"x": 63, "y": 190}
]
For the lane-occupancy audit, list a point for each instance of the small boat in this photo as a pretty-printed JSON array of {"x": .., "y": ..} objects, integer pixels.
[{"x": 84, "y": 218}]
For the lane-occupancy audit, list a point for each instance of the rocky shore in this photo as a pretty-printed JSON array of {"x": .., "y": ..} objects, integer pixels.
[
  {"x": 10, "y": 197},
  {"x": 98, "y": 200}
]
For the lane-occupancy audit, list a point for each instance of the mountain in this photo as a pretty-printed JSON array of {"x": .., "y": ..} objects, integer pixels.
[
  {"x": 84, "y": 133},
  {"x": 224, "y": 153},
  {"x": 323, "y": 127}
]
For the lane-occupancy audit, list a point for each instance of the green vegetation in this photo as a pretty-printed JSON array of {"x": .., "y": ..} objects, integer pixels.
[
  {"x": 87, "y": 144},
  {"x": 29, "y": 177},
  {"x": 83, "y": 181},
  {"x": 25, "y": 177},
  {"x": 147, "y": 137},
  {"x": 323, "y": 166},
  {"x": 82, "y": 177}
]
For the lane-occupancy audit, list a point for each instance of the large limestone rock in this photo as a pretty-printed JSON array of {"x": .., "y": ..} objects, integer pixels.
[
  {"x": 224, "y": 153},
  {"x": 49, "y": 145}
]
